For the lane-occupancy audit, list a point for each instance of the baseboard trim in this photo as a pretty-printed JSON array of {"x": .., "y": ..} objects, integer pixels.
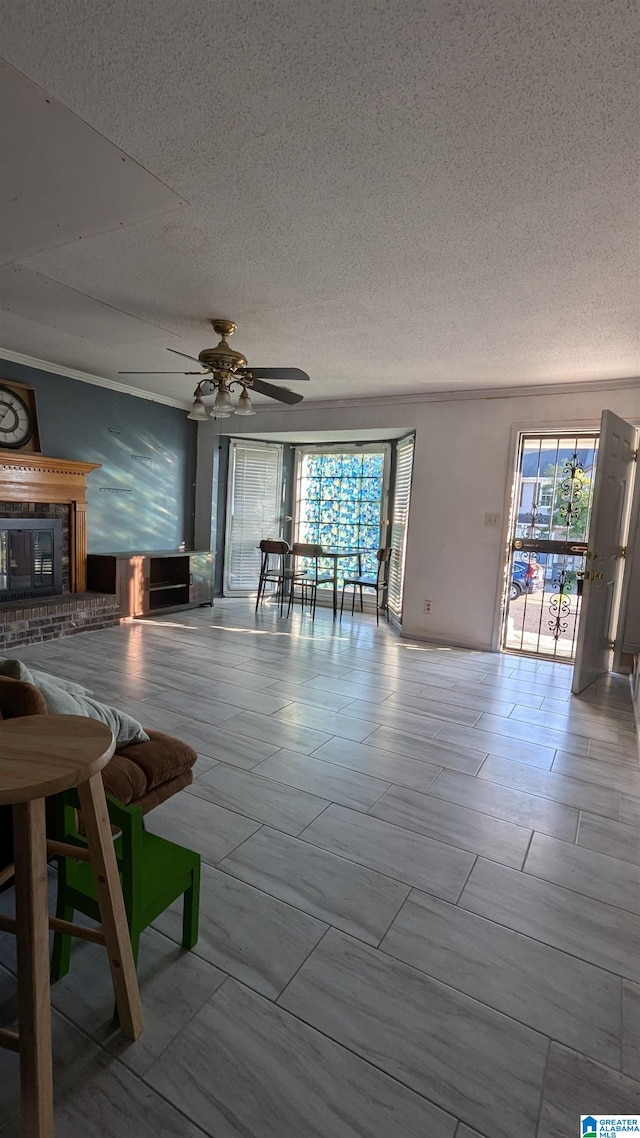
[{"x": 447, "y": 642}]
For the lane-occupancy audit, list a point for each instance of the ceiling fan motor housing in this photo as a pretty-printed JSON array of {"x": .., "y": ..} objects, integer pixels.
[{"x": 222, "y": 357}]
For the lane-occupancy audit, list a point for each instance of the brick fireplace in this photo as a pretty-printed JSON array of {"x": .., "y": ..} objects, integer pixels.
[{"x": 33, "y": 487}]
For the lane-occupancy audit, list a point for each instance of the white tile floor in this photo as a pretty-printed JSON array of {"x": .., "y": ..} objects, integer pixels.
[{"x": 419, "y": 907}]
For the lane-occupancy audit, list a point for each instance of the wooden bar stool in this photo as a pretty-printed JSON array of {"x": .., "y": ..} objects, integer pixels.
[{"x": 42, "y": 755}]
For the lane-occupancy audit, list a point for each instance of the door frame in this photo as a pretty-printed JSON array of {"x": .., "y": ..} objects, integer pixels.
[{"x": 540, "y": 427}]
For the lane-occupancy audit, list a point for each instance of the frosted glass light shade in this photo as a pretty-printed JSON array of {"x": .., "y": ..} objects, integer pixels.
[
  {"x": 223, "y": 405},
  {"x": 198, "y": 411},
  {"x": 245, "y": 406}
]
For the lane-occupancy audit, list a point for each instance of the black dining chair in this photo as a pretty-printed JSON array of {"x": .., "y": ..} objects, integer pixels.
[
  {"x": 308, "y": 579},
  {"x": 379, "y": 583},
  {"x": 274, "y": 569}
]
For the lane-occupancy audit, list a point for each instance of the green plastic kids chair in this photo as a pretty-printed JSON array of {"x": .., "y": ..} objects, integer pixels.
[{"x": 153, "y": 871}]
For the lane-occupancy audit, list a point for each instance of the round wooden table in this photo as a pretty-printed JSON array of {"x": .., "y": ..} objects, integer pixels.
[{"x": 42, "y": 755}]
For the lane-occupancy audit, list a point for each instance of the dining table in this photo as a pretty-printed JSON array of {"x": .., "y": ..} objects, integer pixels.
[{"x": 337, "y": 555}]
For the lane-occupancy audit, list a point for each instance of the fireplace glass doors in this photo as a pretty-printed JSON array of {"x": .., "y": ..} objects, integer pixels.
[{"x": 30, "y": 558}]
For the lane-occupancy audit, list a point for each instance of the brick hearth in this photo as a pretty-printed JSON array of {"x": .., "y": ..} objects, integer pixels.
[{"x": 29, "y": 622}]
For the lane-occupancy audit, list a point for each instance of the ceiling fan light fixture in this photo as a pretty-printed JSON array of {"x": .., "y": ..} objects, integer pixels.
[
  {"x": 245, "y": 406},
  {"x": 223, "y": 407},
  {"x": 198, "y": 411},
  {"x": 223, "y": 369}
]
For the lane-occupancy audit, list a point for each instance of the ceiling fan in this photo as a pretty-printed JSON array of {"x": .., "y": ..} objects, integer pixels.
[{"x": 223, "y": 369}]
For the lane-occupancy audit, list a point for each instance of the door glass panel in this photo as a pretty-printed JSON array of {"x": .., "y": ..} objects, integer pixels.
[{"x": 553, "y": 496}]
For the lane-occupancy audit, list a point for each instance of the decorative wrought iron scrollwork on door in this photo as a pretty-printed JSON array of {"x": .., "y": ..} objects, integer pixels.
[{"x": 560, "y": 605}]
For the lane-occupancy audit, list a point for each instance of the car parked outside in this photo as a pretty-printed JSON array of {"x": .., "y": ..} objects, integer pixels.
[{"x": 527, "y": 577}]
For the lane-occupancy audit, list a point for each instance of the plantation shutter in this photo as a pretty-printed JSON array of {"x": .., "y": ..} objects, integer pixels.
[
  {"x": 399, "y": 522},
  {"x": 254, "y": 490}
]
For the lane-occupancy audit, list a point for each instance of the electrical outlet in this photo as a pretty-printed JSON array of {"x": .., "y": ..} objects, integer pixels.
[
  {"x": 427, "y": 608},
  {"x": 492, "y": 519}
]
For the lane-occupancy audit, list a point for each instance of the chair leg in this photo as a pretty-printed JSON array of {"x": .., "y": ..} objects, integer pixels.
[
  {"x": 191, "y": 910},
  {"x": 342, "y": 601},
  {"x": 353, "y": 599},
  {"x": 93, "y": 806},
  {"x": 61, "y": 955},
  {"x": 260, "y": 590},
  {"x": 34, "y": 1001},
  {"x": 361, "y": 604}
]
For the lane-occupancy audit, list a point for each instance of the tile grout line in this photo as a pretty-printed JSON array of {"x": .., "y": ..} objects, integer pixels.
[
  {"x": 466, "y": 882},
  {"x": 345, "y": 1046},
  {"x": 543, "y": 1086}
]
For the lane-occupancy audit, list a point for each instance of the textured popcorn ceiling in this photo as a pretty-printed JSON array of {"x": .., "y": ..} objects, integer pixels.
[{"x": 394, "y": 196}]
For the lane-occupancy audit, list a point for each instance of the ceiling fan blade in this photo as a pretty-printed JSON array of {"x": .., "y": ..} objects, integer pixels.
[
  {"x": 284, "y": 374},
  {"x": 282, "y": 394},
  {"x": 194, "y": 359},
  {"x": 161, "y": 373}
]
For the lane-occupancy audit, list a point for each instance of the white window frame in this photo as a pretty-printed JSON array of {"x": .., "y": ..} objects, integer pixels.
[
  {"x": 269, "y": 528},
  {"x": 345, "y": 448},
  {"x": 399, "y": 530}
]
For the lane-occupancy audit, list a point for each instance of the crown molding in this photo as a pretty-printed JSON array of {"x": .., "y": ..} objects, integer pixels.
[
  {"x": 444, "y": 395},
  {"x": 88, "y": 377},
  {"x": 585, "y": 387}
]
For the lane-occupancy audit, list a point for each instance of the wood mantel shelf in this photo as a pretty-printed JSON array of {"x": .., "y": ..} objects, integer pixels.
[{"x": 34, "y": 478}]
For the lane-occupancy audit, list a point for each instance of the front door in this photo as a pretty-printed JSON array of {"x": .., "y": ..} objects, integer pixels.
[
  {"x": 552, "y": 502},
  {"x": 604, "y": 558}
]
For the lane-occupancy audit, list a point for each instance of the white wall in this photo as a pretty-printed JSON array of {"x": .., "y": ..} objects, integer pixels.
[{"x": 463, "y": 468}]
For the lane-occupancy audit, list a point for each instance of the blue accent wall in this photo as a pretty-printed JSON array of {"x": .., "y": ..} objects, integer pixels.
[{"x": 143, "y": 495}]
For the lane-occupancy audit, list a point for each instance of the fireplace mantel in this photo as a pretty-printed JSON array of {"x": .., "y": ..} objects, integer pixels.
[{"x": 34, "y": 478}]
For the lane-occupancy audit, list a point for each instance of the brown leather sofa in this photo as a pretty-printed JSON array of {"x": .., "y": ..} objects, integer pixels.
[{"x": 141, "y": 774}]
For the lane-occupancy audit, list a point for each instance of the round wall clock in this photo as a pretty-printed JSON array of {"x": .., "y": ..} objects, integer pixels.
[{"x": 16, "y": 419}]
